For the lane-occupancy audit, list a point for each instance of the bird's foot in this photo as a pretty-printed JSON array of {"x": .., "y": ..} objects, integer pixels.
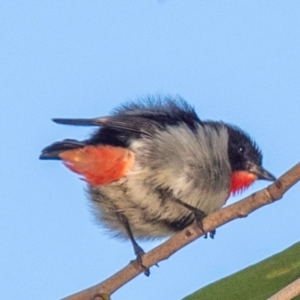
[
  {"x": 139, "y": 252},
  {"x": 211, "y": 234},
  {"x": 199, "y": 216}
]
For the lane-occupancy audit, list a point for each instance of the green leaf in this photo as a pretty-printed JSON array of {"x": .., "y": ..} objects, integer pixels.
[{"x": 257, "y": 282}]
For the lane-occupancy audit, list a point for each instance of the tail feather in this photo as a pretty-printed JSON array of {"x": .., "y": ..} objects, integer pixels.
[{"x": 53, "y": 150}]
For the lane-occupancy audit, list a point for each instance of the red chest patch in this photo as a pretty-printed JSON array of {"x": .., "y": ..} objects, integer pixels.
[
  {"x": 99, "y": 164},
  {"x": 241, "y": 180}
]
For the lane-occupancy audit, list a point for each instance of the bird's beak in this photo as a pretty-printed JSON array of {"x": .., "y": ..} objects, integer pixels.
[{"x": 261, "y": 173}]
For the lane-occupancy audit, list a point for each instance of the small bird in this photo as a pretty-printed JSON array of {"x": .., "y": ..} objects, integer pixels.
[{"x": 153, "y": 167}]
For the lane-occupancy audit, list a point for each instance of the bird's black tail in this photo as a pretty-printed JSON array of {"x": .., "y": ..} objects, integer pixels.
[{"x": 53, "y": 150}]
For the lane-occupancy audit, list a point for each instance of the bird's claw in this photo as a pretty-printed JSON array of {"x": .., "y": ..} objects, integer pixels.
[
  {"x": 199, "y": 216},
  {"x": 139, "y": 252},
  {"x": 211, "y": 234}
]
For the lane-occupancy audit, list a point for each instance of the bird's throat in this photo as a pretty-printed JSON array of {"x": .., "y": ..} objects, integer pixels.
[{"x": 241, "y": 180}]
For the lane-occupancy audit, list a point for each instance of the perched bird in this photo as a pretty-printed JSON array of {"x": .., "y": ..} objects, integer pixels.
[{"x": 153, "y": 167}]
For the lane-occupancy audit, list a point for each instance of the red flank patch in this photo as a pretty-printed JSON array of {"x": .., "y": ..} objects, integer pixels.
[{"x": 99, "y": 165}]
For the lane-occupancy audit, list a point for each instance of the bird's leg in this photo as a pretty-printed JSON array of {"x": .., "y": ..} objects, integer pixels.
[
  {"x": 199, "y": 216},
  {"x": 198, "y": 213},
  {"x": 138, "y": 251}
]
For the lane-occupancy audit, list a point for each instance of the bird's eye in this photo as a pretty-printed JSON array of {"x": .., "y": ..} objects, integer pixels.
[{"x": 241, "y": 149}]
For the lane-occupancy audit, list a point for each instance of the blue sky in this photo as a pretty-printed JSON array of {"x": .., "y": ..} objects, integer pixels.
[{"x": 236, "y": 61}]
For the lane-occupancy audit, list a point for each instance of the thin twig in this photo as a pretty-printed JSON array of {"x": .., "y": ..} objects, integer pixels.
[{"x": 237, "y": 210}]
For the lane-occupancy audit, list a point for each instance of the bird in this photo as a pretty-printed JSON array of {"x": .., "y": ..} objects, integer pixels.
[{"x": 153, "y": 167}]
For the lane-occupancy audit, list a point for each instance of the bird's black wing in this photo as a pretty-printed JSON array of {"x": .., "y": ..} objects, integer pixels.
[
  {"x": 52, "y": 151},
  {"x": 127, "y": 122},
  {"x": 114, "y": 130},
  {"x": 133, "y": 119},
  {"x": 144, "y": 117}
]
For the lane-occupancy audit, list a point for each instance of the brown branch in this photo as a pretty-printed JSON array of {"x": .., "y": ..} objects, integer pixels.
[
  {"x": 289, "y": 292},
  {"x": 237, "y": 210}
]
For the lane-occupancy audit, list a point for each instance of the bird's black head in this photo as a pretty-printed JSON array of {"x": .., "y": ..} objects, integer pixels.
[{"x": 244, "y": 155}]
